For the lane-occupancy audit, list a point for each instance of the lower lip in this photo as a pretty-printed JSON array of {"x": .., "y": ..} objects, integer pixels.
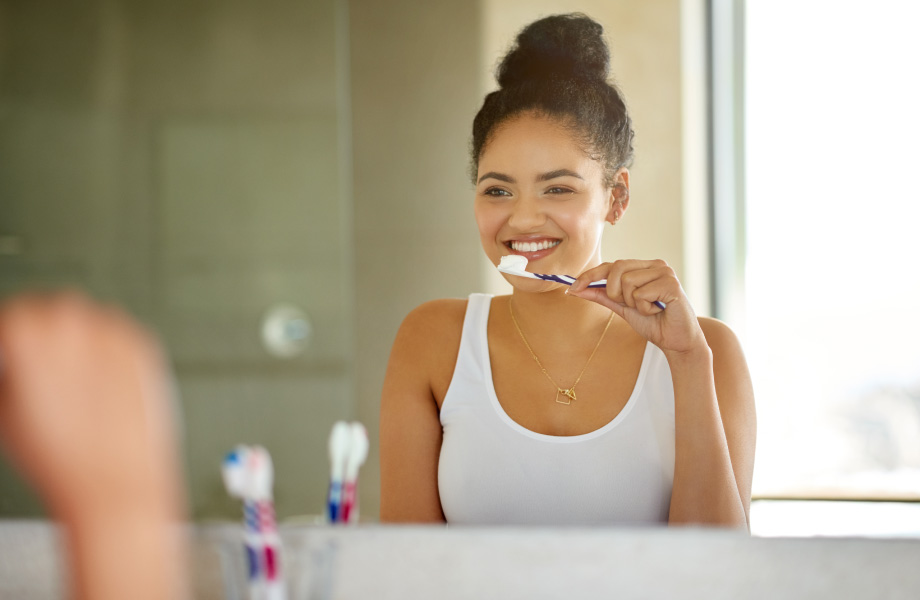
[{"x": 532, "y": 256}]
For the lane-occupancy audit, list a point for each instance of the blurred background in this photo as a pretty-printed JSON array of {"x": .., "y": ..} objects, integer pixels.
[{"x": 273, "y": 186}]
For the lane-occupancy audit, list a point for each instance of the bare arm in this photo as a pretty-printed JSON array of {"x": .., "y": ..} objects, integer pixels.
[
  {"x": 410, "y": 428},
  {"x": 716, "y": 429},
  {"x": 713, "y": 396}
]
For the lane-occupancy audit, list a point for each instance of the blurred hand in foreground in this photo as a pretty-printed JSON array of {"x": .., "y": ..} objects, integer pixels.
[{"x": 86, "y": 416}]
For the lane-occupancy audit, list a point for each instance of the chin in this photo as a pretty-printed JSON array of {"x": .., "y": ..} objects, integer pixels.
[{"x": 532, "y": 286}]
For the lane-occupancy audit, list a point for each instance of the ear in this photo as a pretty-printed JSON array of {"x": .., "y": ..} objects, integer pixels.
[{"x": 619, "y": 196}]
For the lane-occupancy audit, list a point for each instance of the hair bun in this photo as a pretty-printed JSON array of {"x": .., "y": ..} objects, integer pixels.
[{"x": 557, "y": 47}]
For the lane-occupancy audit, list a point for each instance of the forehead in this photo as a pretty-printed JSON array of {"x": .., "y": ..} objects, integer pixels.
[{"x": 531, "y": 144}]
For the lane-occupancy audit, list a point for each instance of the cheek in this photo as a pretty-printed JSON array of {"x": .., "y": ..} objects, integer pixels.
[
  {"x": 488, "y": 220},
  {"x": 580, "y": 224}
]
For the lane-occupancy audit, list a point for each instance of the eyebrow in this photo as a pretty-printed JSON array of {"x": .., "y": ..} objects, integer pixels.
[{"x": 542, "y": 177}]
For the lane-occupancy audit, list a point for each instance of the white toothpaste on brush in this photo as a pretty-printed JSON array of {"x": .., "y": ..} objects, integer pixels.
[{"x": 513, "y": 264}]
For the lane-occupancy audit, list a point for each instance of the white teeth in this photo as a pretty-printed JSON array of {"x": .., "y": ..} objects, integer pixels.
[{"x": 533, "y": 246}]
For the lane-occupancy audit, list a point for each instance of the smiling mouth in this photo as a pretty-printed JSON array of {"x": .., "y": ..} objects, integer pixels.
[{"x": 520, "y": 246}]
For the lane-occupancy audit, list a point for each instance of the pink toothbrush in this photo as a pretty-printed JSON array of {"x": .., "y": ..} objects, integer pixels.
[
  {"x": 357, "y": 454},
  {"x": 261, "y": 477}
]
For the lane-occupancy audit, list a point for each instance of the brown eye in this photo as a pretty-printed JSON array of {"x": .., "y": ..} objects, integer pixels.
[{"x": 496, "y": 192}]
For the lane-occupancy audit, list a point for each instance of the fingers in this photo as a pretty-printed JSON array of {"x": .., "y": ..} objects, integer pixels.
[
  {"x": 644, "y": 297},
  {"x": 606, "y": 270},
  {"x": 636, "y": 284}
]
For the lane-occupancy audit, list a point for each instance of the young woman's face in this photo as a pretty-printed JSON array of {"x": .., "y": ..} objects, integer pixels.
[{"x": 539, "y": 195}]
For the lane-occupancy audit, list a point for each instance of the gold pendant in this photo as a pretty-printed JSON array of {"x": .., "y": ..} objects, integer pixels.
[{"x": 568, "y": 395}]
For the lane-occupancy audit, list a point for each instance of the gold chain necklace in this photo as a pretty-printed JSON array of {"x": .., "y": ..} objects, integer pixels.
[{"x": 567, "y": 394}]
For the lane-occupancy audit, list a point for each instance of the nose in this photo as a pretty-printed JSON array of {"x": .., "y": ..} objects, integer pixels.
[{"x": 526, "y": 214}]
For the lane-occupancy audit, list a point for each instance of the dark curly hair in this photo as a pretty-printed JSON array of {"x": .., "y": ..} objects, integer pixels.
[{"x": 558, "y": 67}]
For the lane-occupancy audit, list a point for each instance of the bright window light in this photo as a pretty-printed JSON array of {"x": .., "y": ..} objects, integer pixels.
[{"x": 832, "y": 333}]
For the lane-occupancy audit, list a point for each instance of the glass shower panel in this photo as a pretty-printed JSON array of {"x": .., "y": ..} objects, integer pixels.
[{"x": 184, "y": 160}]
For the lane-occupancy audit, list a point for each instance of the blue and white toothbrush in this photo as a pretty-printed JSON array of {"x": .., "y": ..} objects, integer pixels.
[
  {"x": 339, "y": 447},
  {"x": 515, "y": 264}
]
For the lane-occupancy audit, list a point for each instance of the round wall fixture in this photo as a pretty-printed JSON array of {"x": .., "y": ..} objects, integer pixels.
[{"x": 286, "y": 331}]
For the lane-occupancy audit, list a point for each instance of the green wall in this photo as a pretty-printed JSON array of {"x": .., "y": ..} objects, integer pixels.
[{"x": 183, "y": 159}]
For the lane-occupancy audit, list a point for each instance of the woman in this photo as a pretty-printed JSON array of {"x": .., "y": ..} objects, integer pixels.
[{"x": 559, "y": 405}]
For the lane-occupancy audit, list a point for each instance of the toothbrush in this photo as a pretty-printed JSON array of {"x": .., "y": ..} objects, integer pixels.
[
  {"x": 234, "y": 470},
  {"x": 339, "y": 446},
  {"x": 261, "y": 474},
  {"x": 356, "y": 456},
  {"x": 515, "y": 264}
]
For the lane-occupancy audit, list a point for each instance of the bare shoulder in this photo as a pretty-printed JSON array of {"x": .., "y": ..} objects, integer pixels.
[
  {"x": 421, "y": 360},
  {"x": 441, "y": 315},
  {"x": 729, "y": 365},
  {"x": 432, "y": 325},
  {"x": 723, "y": 342},
  {"x": 428, "y": 342}
]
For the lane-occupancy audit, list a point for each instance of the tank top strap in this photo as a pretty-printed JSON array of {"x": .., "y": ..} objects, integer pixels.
[{"x": 473, "y": 354}]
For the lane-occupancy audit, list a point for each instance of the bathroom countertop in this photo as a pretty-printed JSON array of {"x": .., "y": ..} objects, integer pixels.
[{"x": 383, "y": 562}]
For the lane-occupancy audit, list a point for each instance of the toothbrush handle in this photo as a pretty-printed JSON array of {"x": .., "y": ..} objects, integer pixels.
[
  {"x": 252, "y": 565},
  {"x": 569, "y": 280},
  {"x": 349, "y": 500},
  {"x": 251, "y": 544},
  {"x": 271, "y": 553},
  {"x": 335, "y": 500}
]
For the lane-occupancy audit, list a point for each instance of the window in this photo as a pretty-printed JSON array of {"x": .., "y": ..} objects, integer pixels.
[{"x": 831, "y": 280}]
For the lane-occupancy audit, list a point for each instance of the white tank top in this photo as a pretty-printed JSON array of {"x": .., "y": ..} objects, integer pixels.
[{"x": 493, "y": 471}]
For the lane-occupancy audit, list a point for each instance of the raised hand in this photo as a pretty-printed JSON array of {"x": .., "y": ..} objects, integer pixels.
[
  {"x": 85, "y": 414},
  {"x": 633, "y": 286}
]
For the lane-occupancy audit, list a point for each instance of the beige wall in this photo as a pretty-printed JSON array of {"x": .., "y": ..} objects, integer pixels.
[{"x": 415, "y": 90}]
